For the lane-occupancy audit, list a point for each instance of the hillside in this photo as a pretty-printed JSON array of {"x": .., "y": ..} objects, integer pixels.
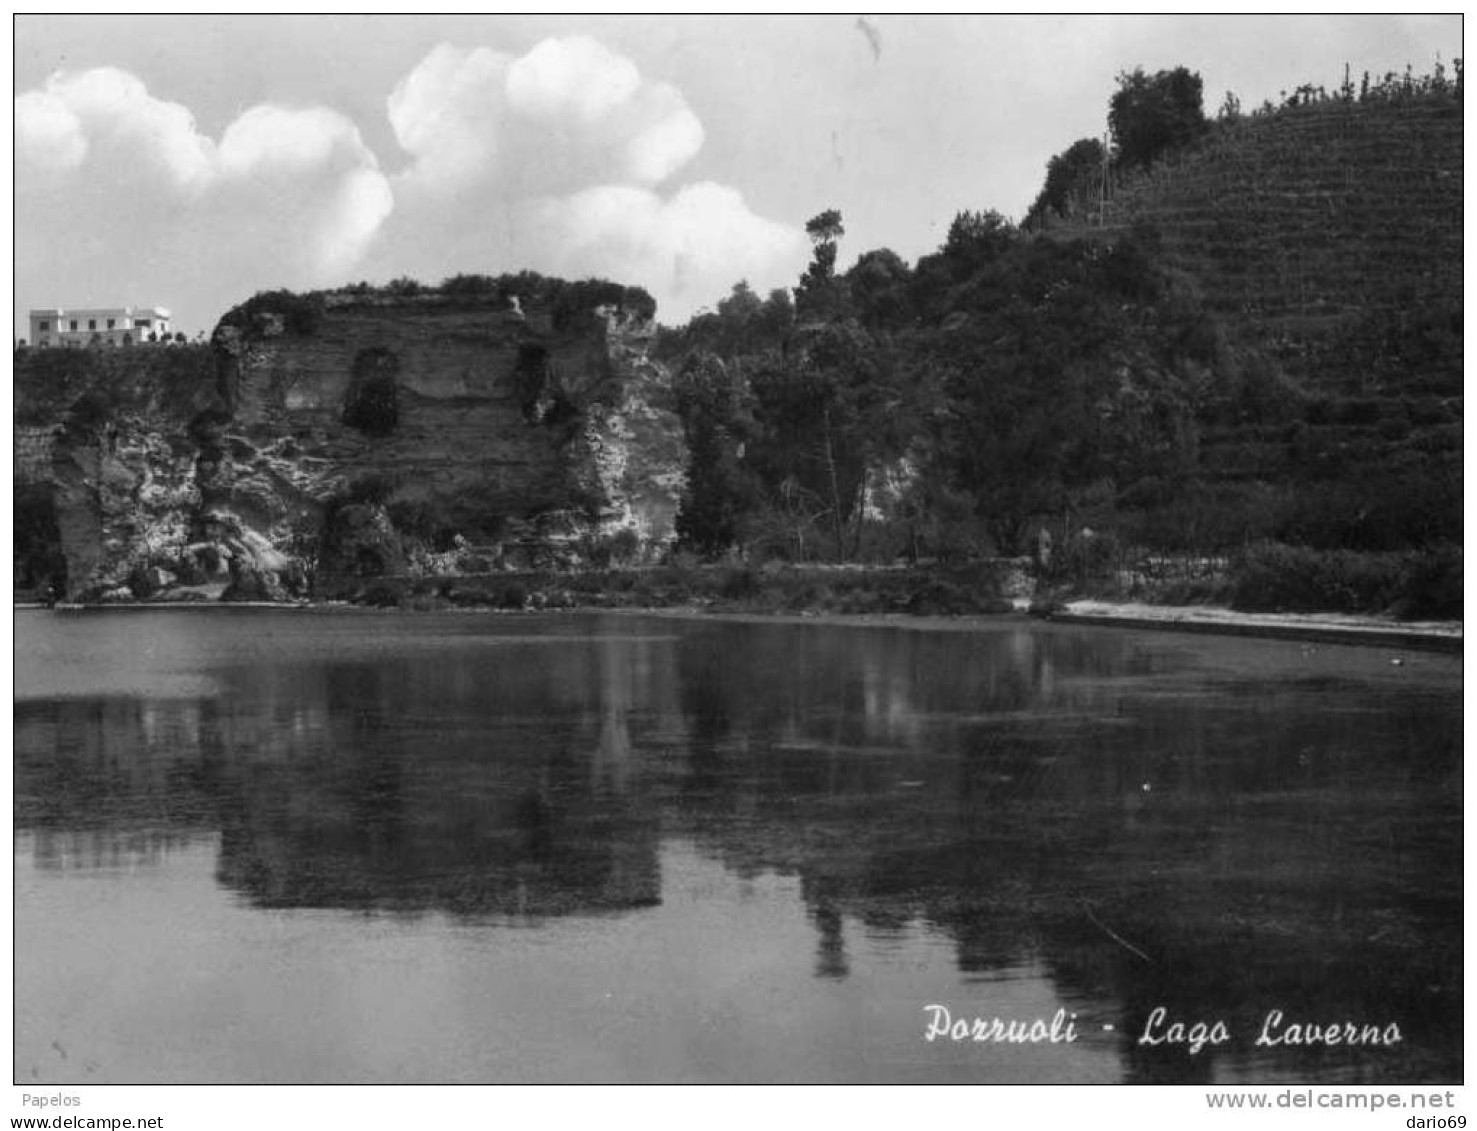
[
  {"x": 1329, "y": 231},
  {"x": 1247, "y": 333},
  {"x": 1327, "y": 240}
]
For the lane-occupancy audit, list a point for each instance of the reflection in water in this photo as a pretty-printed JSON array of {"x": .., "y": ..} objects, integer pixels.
[{"x": 1122, "y": 822}]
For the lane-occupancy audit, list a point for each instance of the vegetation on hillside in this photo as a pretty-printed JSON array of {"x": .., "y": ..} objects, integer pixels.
[
  {"x": 85, "y": 387},
  {"x": 561, "y": 301},
  {"x": 1086, "y": 395},
  {"x": 1151, "y": 117}
]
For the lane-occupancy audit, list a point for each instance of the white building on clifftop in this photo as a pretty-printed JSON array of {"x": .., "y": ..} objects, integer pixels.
[{"x": 114, "y": 325}]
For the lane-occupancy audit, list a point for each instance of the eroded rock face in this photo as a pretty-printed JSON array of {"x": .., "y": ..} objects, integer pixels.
[{"x": 399, "y": 436}]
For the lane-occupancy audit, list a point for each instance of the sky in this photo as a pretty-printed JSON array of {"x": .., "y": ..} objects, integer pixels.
[{"x": 191, "y": 161}]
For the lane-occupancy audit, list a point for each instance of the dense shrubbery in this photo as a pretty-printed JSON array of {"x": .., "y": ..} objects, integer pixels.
[
  {"x": 1432, "y": 584},
  {"x": 1087, "y": 555},
  {"x": 622, "y": 548},
  {"x": 1071, "y": 174},
  {"x": 564, "y": 301},
  {"x": 721, "y": 588},
  {"x": 39, "y": 560},
  {"x": 300, "y": 314},
  {"x": 1272, "y": 576}
]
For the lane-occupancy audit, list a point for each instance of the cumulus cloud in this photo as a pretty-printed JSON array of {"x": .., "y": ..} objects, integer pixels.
[
  {"x": 688, "y": 250},
  {"x": 567, "y": 114},
  {"x": 447, "y": 113},
  {"x": 315, "y": 162},
  {"x": 304, "y": 172},
  {"x": 575, "y": 78},
  {"x": 47, "y": 134},
  {"x": 109, "y": 109},
  {"x": 562, "y": 154},
  {"x": 562, "y": 160}
]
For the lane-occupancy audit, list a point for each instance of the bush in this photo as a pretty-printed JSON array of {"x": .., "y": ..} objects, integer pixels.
[
  {"x": 209, "y": 559},
  {"x": 621, "y": 548},
  {"x": 381, "y": 595},
  {"x": 1087, "y": 554},
  {"x": 624, "y": 546},
  {"x": 88, "y": 412},
  {"x": 143, "y": 582},
  {"x": 473, "y": 287},
  {"x": 739, "y": 584},
  {"x": 39, "y": 559},
  {"x": 301, "y": 314},
  {"x": 939, "y": 598},
  {"x": 423, "y": 520},
  {"x": 1272, "y": 576},
  {"x": 368, "y": 490},
  {"x": 1431, "y": 585}
]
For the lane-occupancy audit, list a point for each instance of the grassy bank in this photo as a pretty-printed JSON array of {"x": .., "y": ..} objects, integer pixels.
[
  {"x": 1266, "y": 577},
  {"x": 976, "y": 589}
]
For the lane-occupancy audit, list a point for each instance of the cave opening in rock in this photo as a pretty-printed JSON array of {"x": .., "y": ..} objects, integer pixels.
[{"x": 372, "y": 403}]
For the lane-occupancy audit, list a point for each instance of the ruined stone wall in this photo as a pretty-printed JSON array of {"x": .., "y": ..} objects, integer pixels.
[{"x": 396, "y": 435}]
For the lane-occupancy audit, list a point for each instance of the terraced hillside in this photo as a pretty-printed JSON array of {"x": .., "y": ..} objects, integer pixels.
[
  {"x": 1327, "y": 240},
  {"x": 1319, "y": 225}
]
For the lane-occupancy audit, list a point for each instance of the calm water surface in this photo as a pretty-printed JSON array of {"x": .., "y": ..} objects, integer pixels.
[{"x": 351, "y": 847}]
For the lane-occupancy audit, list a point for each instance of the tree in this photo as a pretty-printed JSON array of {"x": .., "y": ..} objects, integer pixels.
[
  {"x": 1149, "y": 115},
  {"x": 827, "y": 416},
  {"x": 819, "y": 295},
  {"x": 825, "y": 227},
  {"x": 878, "y": 285},
  {"x": 720, "y": 492},
  {"x": 776, "y": 317},
  {"x": 976, "y": 238},
  {"x": 1064, "y": 382},
  {"x": 1070, "y": 174},
  {"x": 741, "y": 304}
]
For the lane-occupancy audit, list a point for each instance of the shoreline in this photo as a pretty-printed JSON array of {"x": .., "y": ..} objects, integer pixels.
[
  {"x": 1317, "y": 628},
  {"x": 1322, "y": 628}
]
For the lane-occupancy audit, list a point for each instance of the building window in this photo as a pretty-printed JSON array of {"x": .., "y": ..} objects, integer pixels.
[
  {"x": 92, "y": 323},
  {"x": 45, "y": 341},
  {"x": 45, "y": 325},
  {"x": 141, "y": 323},
  {"x": 74, "y": 323},
  {"x": 111, "y": 323}
]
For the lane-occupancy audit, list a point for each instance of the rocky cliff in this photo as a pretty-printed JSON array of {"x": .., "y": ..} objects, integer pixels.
[{"x": 317, "y": 443}]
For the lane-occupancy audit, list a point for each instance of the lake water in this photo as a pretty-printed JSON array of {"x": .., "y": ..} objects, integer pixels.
[{"x": 319, "y": 847}]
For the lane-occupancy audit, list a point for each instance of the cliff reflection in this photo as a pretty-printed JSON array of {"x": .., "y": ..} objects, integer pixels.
[
  {"x": 456, "y": 785},
  {"x": 1146, "y": 829}
]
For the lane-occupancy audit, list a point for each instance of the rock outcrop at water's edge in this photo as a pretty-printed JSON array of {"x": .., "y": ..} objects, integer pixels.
[{"x": 343, "y": 437}]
